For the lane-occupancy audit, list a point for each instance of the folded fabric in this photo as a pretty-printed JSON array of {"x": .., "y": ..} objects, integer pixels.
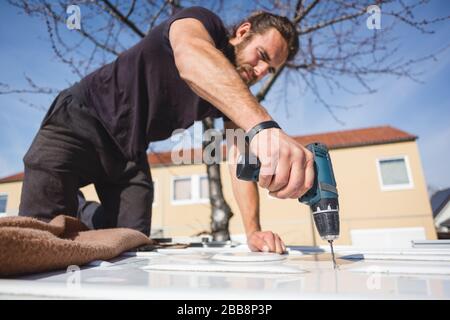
[{"x": 28, "y": 245}]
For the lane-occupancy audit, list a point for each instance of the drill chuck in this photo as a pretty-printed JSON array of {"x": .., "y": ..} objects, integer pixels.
[{"x": 326, "y": 218}]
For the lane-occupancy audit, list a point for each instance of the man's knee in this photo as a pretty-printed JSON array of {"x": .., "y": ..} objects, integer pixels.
[{"x": 47, "y": 194}]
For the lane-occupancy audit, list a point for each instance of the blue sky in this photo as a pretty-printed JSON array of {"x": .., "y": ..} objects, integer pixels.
[{"x": 422, "y": 109}]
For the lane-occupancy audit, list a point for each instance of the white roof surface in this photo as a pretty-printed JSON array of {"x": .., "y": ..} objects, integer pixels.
[{"x": 211, "y": 273}]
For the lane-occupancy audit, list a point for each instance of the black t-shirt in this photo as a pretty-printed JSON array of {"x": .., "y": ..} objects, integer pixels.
[{"x": 140, "y": 96}]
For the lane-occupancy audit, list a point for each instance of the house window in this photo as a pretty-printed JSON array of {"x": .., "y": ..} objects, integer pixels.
[
  {"x": 3, "y": 201},
  {"x": 394, "y": 173},
  {"x": 182, "y": 189},
  {"x": 188, "y": 190},
  {"x": 204, "y": 188}
]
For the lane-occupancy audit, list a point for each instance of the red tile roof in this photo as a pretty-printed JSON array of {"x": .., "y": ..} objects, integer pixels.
[
  {"x": 13, "y": 178},
  {"x": 334, "y": 140},
  {"x": 358, "y": 137}
]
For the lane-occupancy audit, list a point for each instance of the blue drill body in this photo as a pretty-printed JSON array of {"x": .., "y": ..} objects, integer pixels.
[{"x": 323, "y": 196}]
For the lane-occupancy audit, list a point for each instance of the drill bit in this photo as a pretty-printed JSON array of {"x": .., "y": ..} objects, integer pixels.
[{"x": 332, "y": 254}]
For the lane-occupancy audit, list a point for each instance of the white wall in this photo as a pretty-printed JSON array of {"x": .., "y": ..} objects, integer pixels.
[{"x": 387, "y": 237}]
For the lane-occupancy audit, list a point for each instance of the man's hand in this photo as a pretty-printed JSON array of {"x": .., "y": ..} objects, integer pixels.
[
  {"x": 265, "y": 241},
  {"x": 287, "y": 168}
]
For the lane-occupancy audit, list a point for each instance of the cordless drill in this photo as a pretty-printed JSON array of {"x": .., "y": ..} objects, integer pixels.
[{"x": 322, "y": 198}]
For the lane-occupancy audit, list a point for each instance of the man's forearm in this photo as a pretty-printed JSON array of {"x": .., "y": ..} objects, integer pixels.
[
  {"x": 247, "y": 198},
  {"x": 214, "y": 78}
]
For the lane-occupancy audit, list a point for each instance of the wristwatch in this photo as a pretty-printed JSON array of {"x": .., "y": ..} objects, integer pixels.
[
  {"x": 248, "y": 165},
  {"x": 258, "y": 128}
]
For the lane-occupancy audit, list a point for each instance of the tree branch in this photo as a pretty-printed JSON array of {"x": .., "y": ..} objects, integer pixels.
[
  {"x": 122, "y": 18},
  {"x": 331, "y": 22},
  {"x": 261, "y": 95},
  {"x": 303, "y": 13},
  {"x": 34, "y": 89},
  {"x": 131, "y": 9},
  {"x": 156, "y": 16}
]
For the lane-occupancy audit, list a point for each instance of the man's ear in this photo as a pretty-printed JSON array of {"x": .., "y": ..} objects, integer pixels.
[{"x": 243, "y": 30}]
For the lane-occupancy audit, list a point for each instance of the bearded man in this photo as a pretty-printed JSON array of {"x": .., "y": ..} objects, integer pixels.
[{"x": 186, "y": 69}]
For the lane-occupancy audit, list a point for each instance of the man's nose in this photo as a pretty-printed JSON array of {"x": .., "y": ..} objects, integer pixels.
[{"x": 261, "y": 69}]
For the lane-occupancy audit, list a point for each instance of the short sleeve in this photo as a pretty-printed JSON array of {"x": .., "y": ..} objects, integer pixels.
[{"x": 212, "y": 23}]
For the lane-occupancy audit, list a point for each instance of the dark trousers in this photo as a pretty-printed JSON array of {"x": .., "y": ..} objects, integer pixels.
[{"x": 71, "y": 150}]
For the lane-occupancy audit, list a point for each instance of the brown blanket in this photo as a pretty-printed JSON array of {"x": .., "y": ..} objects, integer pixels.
[{"x": 28, "y": 245}]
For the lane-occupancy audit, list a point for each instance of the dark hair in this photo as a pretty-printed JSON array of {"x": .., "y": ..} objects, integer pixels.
[{"x": 262, "y": 21}]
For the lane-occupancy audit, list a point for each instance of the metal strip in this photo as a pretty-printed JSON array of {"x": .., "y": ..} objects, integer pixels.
[{"x": 327, "y": 187}]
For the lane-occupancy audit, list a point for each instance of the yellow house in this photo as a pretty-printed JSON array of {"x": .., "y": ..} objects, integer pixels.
[{"x": 382, "y": 194}]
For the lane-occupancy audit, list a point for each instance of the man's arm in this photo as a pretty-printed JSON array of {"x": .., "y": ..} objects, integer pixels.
[
  {"x": 209, "y": 73},
  {"x": 286, "y": 166},
  {"x": 247, "y": 198}
]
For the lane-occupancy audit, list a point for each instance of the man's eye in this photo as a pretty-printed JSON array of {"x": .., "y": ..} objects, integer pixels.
[{"x": 263, "y": 56}]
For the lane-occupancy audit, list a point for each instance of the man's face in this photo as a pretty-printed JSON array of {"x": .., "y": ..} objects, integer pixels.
[{"x": 258, "y": 54}]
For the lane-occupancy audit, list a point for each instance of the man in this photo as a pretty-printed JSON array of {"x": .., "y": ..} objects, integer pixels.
[{"x": 185, "y": 69}]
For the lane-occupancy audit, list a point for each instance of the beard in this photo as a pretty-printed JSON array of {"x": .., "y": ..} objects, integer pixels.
[
  {"x": 246, "y": 73},
  {"x": 244, "y": 70}
]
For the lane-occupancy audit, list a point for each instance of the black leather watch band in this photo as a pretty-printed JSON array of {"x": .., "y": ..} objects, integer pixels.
[
  {"x": 258, "y": 128},
  {"x": 246, "y": 169}
]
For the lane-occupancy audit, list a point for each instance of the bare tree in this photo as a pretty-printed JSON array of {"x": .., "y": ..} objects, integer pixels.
[
  {"x": 220, "y": 210},
  {"x": 334, "y": 45}
]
